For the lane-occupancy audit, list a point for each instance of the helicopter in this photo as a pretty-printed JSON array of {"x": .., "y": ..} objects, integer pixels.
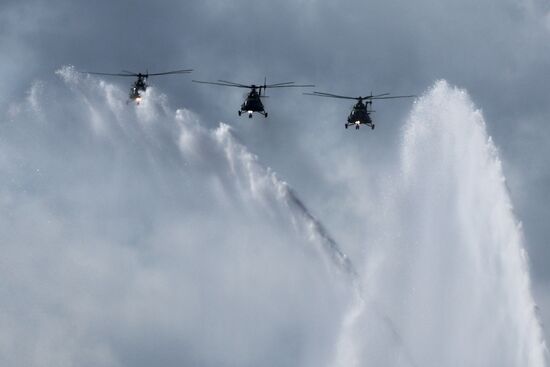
[
  {"x": 253, "y": 102},
  {"x": 360, "y": 114},
  {"x": 140, "y": 85}
]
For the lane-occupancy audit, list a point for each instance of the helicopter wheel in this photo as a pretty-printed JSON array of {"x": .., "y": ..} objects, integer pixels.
[
  {"x": 346, "y": 125},
  {"x": 239, "y": 113},
  {"x": 249, "y": 115},
  {"x": 372, "y": 127},
  {"x": 265, "y": 115},
  {"x": 357, "y": 127}
]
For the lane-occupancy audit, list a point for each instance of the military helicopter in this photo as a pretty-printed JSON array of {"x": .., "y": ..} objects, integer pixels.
[
  {"x": 253, "y": 102},
  {"x": 360, "y": 114},
  {"x": 140, "y": 85}
]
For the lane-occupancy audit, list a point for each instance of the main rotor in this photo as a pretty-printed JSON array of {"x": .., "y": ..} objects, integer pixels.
[
  {"x": 141, "y": 75},
  {"x": 367, "y": 98},
  {"x": 253, "y": 87}
]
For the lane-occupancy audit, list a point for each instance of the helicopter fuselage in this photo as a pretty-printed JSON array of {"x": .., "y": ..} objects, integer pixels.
[
  {"x": 140, "y": 85},
  {"x": 360, "y": 115},
  {"x": 253, "y": 103}
]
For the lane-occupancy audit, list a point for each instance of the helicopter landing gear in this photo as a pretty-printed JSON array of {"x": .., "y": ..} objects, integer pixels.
[
  {"x": 239, "y": 113},
  {"x": 346, "y": 125},
  {"x": 249, "y": 115},
  {"x": 372, "y": 127},
  {"x": 265, "y": 115},
  {"x": 356, "y": 127}
]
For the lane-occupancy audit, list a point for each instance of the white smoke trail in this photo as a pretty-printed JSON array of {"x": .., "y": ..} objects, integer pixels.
[
  {"x": 263, "y": 182},
  {"x": 135, "y": 236},
  {"x": 449, "y": 267}
]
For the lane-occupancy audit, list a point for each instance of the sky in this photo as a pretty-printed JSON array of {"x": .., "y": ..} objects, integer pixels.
[{"x": 496, "y": 50}]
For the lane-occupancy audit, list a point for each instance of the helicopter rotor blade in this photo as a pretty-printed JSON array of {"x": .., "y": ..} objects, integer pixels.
[
  {"x": 375, "y": 96},
  {"x": 183, "y": 71},
  {"x": 392, "y": 97},
  {"x": 110, "y": 74},
  {"x": 324, "y": 94},
  {"x": 224, "y": 84},
  {"x": 329, "y": 95},
  {"x": 277, "y": 84},
  {"x": 235, "y": 84},
  {"x": 130, "y": 72},
  {"x": 286, "y": 85}
]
